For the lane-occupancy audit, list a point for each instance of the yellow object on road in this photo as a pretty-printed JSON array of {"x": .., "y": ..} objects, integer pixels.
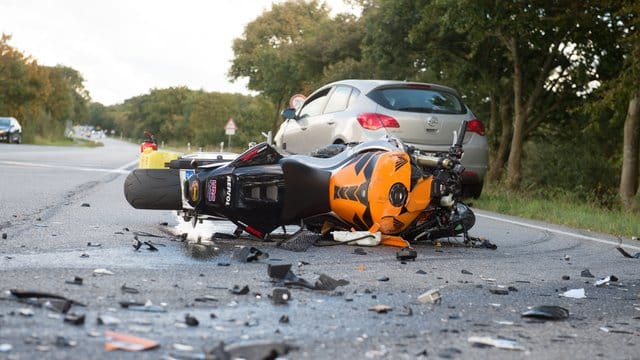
[{"x": 156, "y": 159}]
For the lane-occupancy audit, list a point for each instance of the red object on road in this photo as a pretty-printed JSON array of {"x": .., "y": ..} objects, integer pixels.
[{"x": 149, "y": 142}]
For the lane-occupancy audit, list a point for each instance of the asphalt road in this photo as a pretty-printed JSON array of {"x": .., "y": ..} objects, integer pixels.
[{"x": 63, "y": 215}]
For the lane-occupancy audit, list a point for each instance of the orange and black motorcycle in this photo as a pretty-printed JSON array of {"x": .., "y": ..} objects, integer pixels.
[{"x": 377, "y": 186}]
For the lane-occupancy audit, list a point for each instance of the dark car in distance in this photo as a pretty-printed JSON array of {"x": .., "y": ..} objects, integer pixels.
[{"x": 10, "y": 130}]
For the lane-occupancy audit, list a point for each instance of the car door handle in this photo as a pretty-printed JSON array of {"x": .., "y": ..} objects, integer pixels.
[
  {"x": 303, "y": 128},
  {"x": 331, "y": 122}
]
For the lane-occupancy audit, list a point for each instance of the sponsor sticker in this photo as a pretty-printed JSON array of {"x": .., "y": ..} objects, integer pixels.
[
  {"x": 193, "y": 189},
  {"x": 211, "y": 190},
  {"x": 227, "y": 199}
]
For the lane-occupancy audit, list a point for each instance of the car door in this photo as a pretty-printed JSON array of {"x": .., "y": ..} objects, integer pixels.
[
  {"x": 322, "y": 127},
  {"x": 297, "y": 138}
]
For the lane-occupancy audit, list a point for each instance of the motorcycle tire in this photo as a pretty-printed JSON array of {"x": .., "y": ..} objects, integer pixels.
[{"x": 155, "y": 189}]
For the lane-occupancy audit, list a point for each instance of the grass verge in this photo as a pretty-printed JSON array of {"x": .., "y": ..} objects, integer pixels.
[{"x": 561, "y": 209}]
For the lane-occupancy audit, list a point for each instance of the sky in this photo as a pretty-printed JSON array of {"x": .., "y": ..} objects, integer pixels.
[{"x": 125, "y": 48}]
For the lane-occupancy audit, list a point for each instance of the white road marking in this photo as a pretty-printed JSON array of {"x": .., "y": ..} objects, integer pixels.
[
  {"x": 121, "y": 170},
  {"x": 566, "y": 233}
]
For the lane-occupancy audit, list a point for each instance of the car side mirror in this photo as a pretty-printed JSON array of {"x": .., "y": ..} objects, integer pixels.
[{"x": 289, "y": 113}]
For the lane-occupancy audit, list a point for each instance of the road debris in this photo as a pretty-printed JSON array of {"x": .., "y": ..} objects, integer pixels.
[
  {"x": 498, "y": 290},
  {"x": 248, "y": 254},
  {"x": 283, "y": 272},
  {"x": 127, "y": 342},
  {"x": 76, "y": 281},
  {"x": 500, "y": 343},
  {"x": 432, "y": 296},
  {"x": 406, "y": 254},
  {"x": 359, "y": 251},
  {"x": 237, "y": 290},
  {"x": 547, "y": 312},
  {"x": 26, "y": 312},
  {"x": 606, "y": 280},
  {"x": 148, "y": 306},
  {"x": 574, "y": 294},
  {"x": 586, "y": 273},
  {"x": 280, "y": 296},
  {"x": 466, "y": 272},
  {"x": 74, "y": 319},
  {"x": 37, "y": 298},
  {"x": 191, "y": 320},
  {"x": 380, "y": 309},
  {"x": 108, "y": 320},
  {"x": 129, "y": 290},
  {"x": 102, "y": 271},
  {"x": 62, "y": 341}
]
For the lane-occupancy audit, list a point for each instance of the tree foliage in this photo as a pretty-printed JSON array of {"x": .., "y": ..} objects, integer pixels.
[{"x": 43, "y": 98}]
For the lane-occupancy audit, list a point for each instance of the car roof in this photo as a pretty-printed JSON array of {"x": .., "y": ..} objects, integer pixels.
[{"x": 365, "y": 86}]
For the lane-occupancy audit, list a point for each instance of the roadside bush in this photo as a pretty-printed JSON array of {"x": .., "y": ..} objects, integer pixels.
[{"x": 572, "y": 167}]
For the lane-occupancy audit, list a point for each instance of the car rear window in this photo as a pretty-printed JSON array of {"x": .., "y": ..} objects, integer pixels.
[{"x": 418, "y": 100}]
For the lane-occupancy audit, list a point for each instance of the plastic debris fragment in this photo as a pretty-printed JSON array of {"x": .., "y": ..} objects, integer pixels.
[
  {"x": 586, "y": 273},
  {"x": 102, "y": 271},
  {"x": 547, "y": 312},
  {"x": 280, "y": 296},
  {"x": 380, "y": 309},
  {"x": 74, "y": 319},
  {"x": 406, "y": 254},
  {"x": 127, "y": 342},
  {"x": 76, "y": 281},
  {"x": 574, "y": 294},
  {"x": 500, "y": 343},
  {"x": 237, "y": 290},
  {"x": 191, "y": 320},
  {"x": 108, "y": 320},
  {"x": 432, "y": 296},
  {"x": 606, "y": 280}
]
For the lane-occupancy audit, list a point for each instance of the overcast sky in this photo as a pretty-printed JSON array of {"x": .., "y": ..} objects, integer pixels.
[{"x": 124, "y": 48}]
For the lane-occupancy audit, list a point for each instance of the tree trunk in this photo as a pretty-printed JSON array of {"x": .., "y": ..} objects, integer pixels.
[
  {"x": 514, "y": 169},
  {"x": 631, "y": 153},
  {"x": 500, "y": 156}
]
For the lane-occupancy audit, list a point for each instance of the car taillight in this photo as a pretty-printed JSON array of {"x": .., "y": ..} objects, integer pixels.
[
  {"x": 476, "y": 126},
  {"x": 374, "y": 121}
]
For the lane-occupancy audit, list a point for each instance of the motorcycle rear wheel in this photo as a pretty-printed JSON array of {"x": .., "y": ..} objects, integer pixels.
[{"x": 155, "y": 189}]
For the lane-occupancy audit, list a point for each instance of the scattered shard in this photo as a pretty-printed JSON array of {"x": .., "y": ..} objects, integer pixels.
[
  {"x": 547, "y": 312},
  {"x": 500, "y": 343},
  {"x": 574, "y": 294}
]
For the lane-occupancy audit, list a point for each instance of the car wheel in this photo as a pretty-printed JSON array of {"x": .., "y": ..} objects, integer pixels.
[
  {"x": 19, "y": 139},
  {"x": 157, "y": 189},
  {"x": 472, "y": 190}
]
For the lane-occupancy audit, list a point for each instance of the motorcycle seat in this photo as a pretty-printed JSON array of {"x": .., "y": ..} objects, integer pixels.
[
  {"x": 337, "y": 160},
  {"x": 306, "y": 189}
]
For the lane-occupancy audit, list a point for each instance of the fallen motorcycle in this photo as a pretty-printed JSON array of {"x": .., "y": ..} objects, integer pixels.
[{"x": 379, "y": 186}]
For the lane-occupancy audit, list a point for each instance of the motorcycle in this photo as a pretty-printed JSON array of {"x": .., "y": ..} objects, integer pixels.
[{"x": 381, "y": 186}]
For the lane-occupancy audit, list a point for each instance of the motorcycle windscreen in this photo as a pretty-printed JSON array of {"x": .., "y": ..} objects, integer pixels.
[{"x": 376, "y": 189}]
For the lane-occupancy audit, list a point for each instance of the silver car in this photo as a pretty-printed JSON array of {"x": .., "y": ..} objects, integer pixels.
[{"x": 422, "y": 115}]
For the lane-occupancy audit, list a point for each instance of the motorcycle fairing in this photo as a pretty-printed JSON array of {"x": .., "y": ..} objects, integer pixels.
[{"x": 376, "y": 189}]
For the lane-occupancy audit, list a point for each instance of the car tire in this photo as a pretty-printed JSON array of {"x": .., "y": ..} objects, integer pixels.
[
  {"x": 19, "y": 139},
  {"x": 155, "y": 189}
]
